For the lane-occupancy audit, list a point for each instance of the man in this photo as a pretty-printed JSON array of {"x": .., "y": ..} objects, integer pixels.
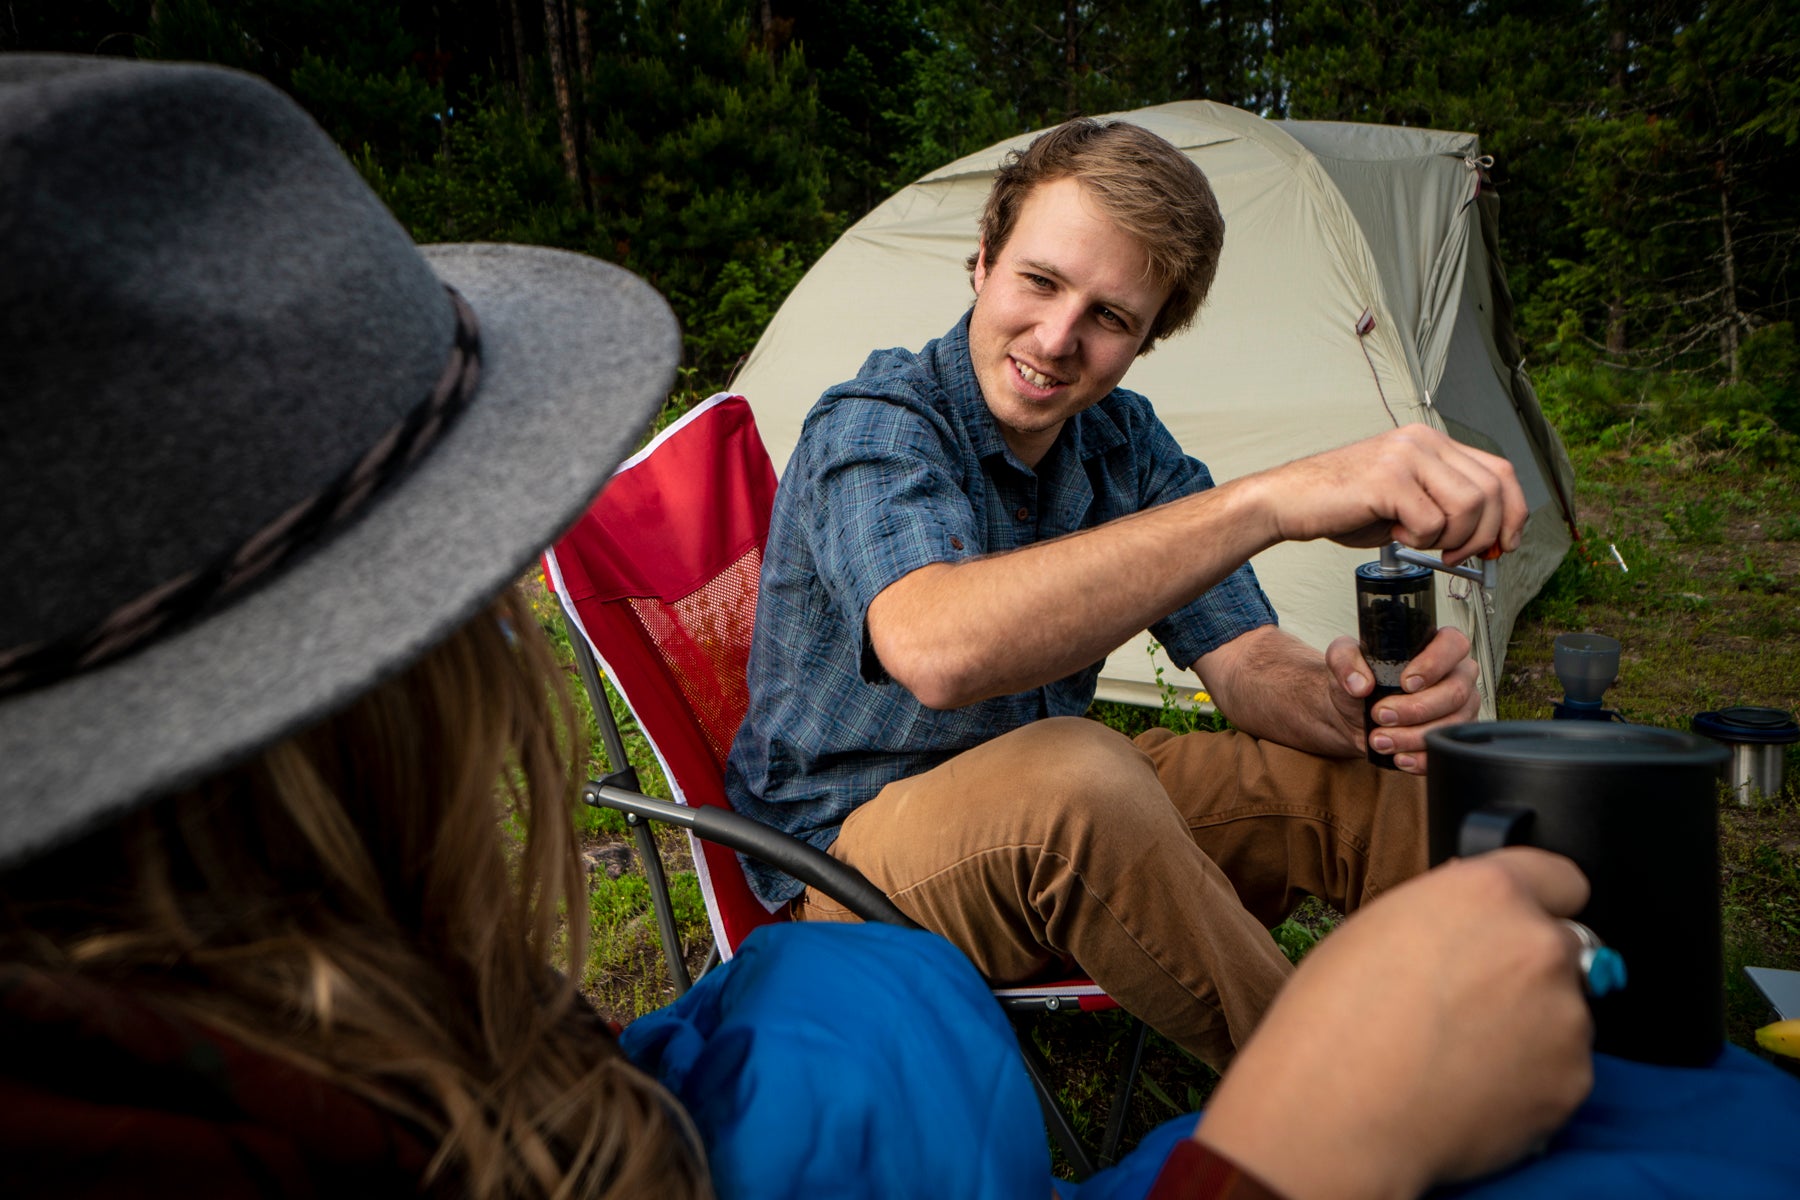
[{"x": 960, "y": 538}]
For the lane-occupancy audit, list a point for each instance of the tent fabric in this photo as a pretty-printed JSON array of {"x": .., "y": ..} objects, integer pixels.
[{"x": 1331, "y": 229}]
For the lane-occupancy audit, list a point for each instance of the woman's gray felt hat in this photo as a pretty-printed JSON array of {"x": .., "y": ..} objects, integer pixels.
[{"x": 209, "y": 320}]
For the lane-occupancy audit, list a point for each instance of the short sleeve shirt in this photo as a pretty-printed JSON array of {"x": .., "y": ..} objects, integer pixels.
[{"x": 897, "y": 469}]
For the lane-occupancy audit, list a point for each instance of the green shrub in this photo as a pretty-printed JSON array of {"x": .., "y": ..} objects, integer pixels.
[
  {"x": 1697, "y": 521},
  {"x": 1663, "y": 418},
  {"x": 496, "y": 176},
  {"x": 1584, "y": 402},
  {"x": 1769, "y": 359},
  {"x": 1752, "y": 435}
]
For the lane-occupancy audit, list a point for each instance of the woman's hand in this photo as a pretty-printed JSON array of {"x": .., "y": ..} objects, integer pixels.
[{"x": 1438, "y": 1035}]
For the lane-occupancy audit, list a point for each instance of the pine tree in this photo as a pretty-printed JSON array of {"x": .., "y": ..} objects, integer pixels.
[
  {"x": 706, "y": 174},
  {"x": 860, "y": 55}
]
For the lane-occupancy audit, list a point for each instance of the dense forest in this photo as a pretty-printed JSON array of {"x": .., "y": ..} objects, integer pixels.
[{"x": 1645, "y": 153}]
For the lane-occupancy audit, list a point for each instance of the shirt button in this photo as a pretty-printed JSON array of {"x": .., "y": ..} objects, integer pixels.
[
  {"x": 956, "y": 543},
  {"x": 1024, "y": 514}
]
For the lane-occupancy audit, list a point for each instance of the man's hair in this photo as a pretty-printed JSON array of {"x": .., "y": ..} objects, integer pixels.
[
  {"x": 1153, "y": 191},
  {"x": 349, "y": 901}
]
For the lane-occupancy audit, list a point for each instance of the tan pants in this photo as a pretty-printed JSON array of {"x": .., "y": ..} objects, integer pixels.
[{"x": 1156, "y": 867}]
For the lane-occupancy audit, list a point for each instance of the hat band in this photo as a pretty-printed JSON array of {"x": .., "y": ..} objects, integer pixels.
[{"x": 194, "y": 592}]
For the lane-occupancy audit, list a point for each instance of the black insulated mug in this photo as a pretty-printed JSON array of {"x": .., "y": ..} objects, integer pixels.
[{"x": 1636, "y": 807}]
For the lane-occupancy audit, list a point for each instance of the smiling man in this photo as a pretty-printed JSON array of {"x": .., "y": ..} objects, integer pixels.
[
  {"x": 964, "y": 533},
  {"x": 1065, "y": 308}
]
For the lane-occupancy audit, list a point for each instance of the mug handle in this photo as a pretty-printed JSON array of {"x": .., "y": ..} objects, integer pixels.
[{"x": 1485, "y": 829}]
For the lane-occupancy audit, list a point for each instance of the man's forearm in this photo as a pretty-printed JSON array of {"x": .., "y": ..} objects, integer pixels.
[{"x": 956, "y": 633}]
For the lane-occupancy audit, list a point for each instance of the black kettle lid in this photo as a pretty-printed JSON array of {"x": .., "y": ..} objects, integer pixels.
[{"x": 1748, "y": 723}]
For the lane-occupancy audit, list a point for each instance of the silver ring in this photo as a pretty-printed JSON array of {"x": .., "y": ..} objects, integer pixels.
[{"x": 1602, "y": 967}]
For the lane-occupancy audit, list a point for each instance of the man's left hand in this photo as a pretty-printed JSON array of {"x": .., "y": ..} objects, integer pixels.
[{"x": 1439, "y": 690}]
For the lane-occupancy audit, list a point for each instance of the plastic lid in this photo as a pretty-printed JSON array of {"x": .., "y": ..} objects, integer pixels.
[
  {"x": 1573, "y": 743},
  {"x": 1410, "y": 577},
  {"x": 1748, "y": 723}
]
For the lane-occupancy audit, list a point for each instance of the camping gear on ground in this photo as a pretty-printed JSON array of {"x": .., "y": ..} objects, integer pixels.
[
  {"x": 1359, "y": 289},
  {"x": 1758, "y": 739},
  {"x": 1780, "y": 987},
  {"x": 658, "y": 582},
  {"x": 1396, "y": 617},
  {"x": 1586, "y": 665},
  {"x": 1636, "y": 807}
]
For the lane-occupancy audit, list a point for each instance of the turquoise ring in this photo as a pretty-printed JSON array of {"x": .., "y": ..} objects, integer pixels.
[{"x": 1602, "y": 967}]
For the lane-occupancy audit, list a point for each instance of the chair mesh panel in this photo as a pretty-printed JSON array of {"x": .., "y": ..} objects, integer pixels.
[{"x": 704, "y": 639}]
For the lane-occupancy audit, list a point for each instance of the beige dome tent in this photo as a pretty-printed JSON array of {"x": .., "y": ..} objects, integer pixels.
[{"x": 1358, "y": 290}]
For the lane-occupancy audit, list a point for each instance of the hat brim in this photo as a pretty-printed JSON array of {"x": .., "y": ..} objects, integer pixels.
[{"x": 577, "y": 355}]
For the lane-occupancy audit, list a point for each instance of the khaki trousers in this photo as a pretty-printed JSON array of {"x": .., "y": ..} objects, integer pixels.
[{"x": 1156, "y": 867}]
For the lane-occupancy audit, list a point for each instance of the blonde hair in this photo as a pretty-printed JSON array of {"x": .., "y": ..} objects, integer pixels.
[
  {"x": 1152, "y": 191},
  {"x": 347, "y": 901}
]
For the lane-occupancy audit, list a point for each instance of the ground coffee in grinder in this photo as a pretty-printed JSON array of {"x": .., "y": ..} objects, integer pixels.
[{"x": 1396, "y": 616}]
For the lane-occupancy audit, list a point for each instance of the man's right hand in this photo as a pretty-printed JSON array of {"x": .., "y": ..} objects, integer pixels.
[
  {"x": 1413, "y": 484},
  {"x": 1438, "y": 1035}
]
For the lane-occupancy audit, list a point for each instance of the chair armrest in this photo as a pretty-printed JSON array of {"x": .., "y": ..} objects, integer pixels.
[{"x": 812, "y": 866}]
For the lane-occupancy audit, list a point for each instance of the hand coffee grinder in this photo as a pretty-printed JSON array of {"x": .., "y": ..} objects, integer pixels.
[{"x": 1396, "y": 616}]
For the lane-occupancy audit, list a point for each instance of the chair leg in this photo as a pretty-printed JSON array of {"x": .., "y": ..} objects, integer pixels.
[
  {"x": 1121, "y": 1106},
  {"x": 625, "y": 776},
  {"x": 659, "y": 900},
  {"x": 589, "y": 671},
  {"x": 1055, "y": 1120}
]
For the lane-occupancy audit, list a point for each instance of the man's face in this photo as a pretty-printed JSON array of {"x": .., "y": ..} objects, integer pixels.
[{"x": 1059, "y": 315}]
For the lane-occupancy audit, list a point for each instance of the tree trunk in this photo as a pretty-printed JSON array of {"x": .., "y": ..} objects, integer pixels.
[
  {"x": 556, "y": 47},
  {"x": 1616, "y": 44},
  {"x": 1732, "y": 320},
  {"x": 584, "y": 40},
  {"x": 1071, "y": 99},
  {"x": 1729, "y": 332},
  {"x": 521, "y": 65},
  {"x": 584, "y": 57}
]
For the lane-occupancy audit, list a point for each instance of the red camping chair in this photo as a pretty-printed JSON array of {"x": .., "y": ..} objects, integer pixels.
[{"x": 658, "y": 583}]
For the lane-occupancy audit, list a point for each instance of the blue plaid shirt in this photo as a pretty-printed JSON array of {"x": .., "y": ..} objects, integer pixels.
[{"x": 899, "y": 468}]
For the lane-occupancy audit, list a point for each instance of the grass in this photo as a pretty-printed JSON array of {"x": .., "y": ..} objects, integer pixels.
[
  {"x": 1707, "y": 615},
  {"x": 1707, "y": 608}
]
